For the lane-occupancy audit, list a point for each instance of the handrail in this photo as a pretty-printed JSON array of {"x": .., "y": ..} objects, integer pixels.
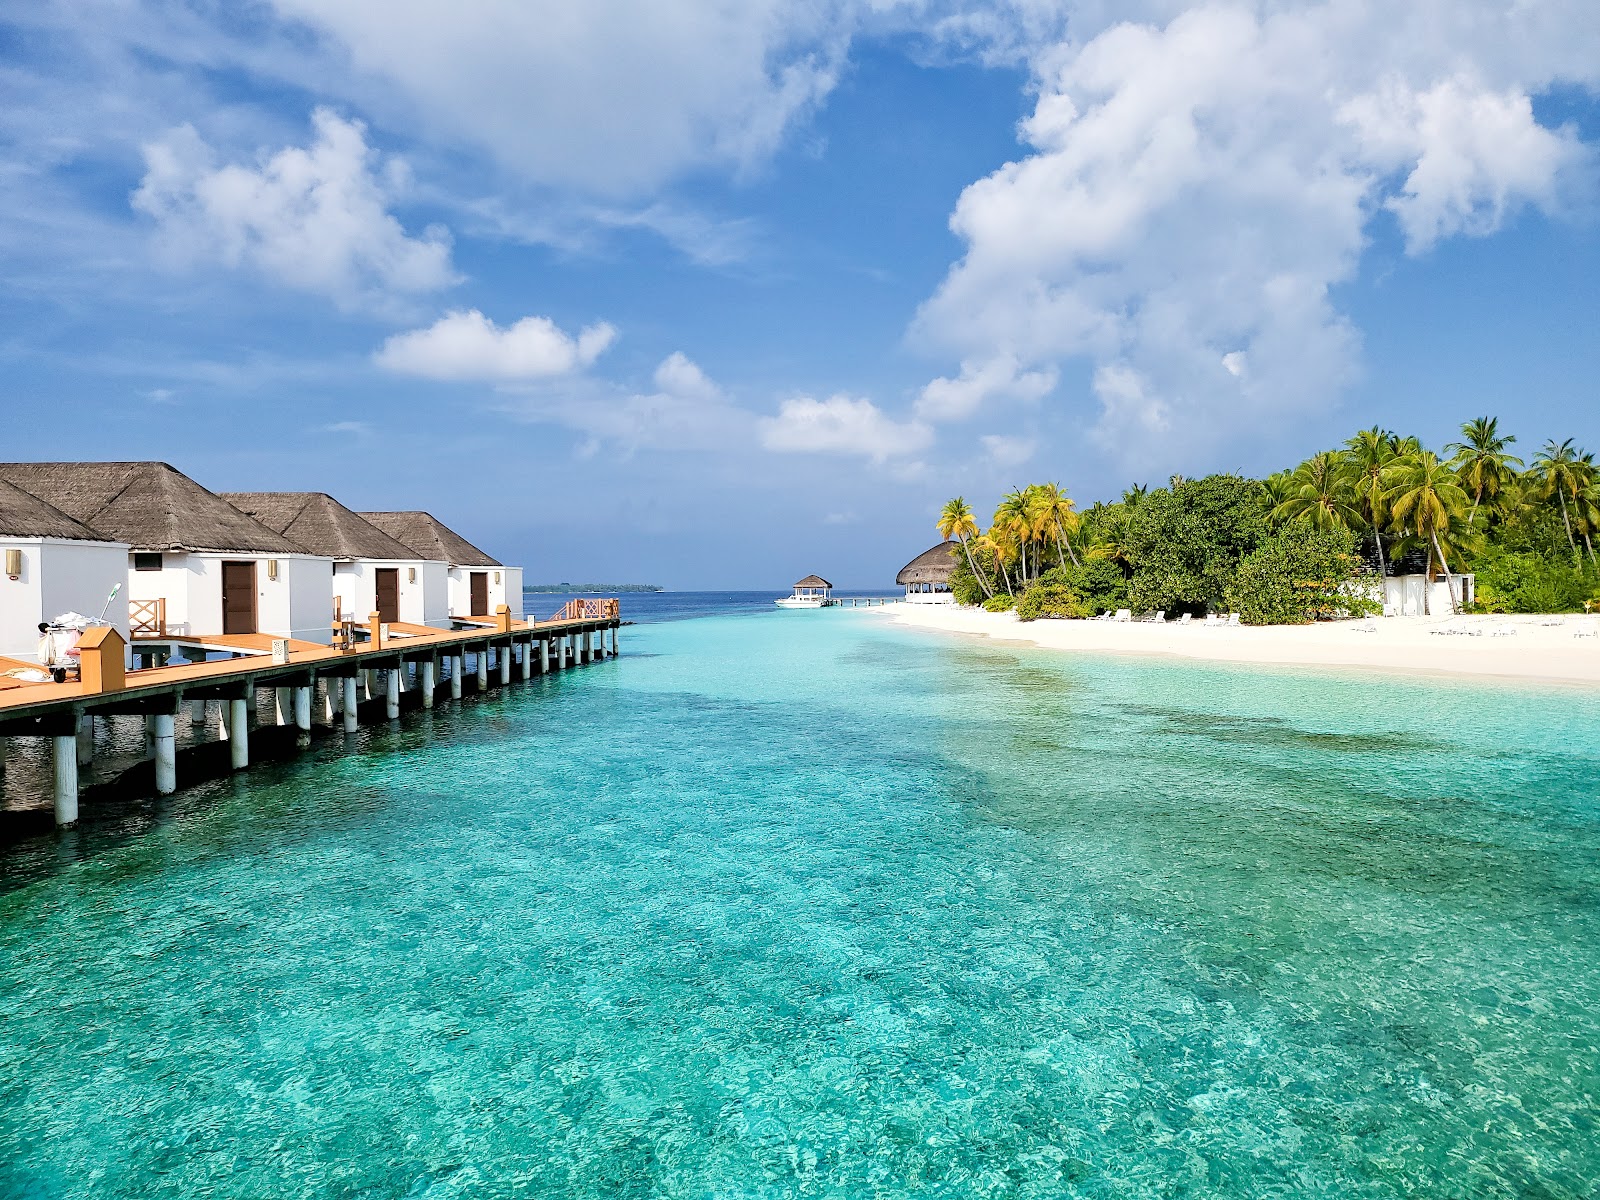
[
  {"x": 589, "y": 610},
  {"x": 147, "y": 618}
]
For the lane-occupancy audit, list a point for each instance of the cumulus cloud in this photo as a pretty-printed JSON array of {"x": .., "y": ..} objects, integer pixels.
[
  {"x": 687, "y": 411},
  {"x": 469, "y": 346},
  {"x": 979, "y": 381},
  {"x": 842, "y": 425},
  {"x": 1004, "y": 450},
  {"x": 645, "y": 89},
  {"x": 1199, "y": 181},
  {"x": 314, "y": 218}
]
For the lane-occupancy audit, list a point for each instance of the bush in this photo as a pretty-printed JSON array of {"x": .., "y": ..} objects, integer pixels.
[
  {"x": 1298, "y": 574},
  {"x": 1001, "y": 603},
  {"x": 1098, "y": 583},
  {"x": 1185, "y": 543},
  {"x": 1051, "y": 600},
  {"x": 1512, "y": 582}
]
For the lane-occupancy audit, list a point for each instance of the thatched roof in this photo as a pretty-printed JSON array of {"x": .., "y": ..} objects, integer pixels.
[
  {"x": 24, "y": 515},
  {"x": 814, "y": 581},
  {"x": 321, "y": 524},
  {"x": 431, "y": 538},
  {"x": 148, "y": 505},
  {"x": 931, "y": 566}
]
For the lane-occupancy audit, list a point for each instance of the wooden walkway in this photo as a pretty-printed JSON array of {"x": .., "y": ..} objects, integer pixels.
[{"x": 58, "y": 711}]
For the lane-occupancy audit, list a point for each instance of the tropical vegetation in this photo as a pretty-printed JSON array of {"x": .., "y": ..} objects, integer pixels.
[{"x": 1312, "y": 542}]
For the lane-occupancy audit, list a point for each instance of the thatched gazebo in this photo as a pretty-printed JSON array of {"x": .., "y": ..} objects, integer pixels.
[{"x": 926, "y": 577}]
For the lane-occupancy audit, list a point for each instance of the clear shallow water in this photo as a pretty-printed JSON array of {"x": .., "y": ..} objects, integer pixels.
[{"x": 797, "y": 904}]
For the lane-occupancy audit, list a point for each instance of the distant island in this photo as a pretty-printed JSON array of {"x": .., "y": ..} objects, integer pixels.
[{"x": 591, "y": 587}]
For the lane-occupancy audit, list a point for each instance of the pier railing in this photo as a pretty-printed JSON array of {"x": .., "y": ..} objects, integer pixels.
[
  {"x": 589, "y": 610},
  {"x": 147, "y": 618}
]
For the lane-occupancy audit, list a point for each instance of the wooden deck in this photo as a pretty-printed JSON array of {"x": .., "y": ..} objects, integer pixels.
[{"x": 31, "y": 701}]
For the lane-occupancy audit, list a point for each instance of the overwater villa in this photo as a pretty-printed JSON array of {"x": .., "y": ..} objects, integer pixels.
[
  {"x": 53, "y": 565},
  {"x": 372, "y": 571},
  {"x": 477, "y": 583},
  {"x": 811, "y": 592},
  {"x": 926, "y": 577},
  {"x": 195, "y": 566}
]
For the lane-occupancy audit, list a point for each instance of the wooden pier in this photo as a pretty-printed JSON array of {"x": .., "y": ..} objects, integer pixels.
[{"x": 394, "y": 659}]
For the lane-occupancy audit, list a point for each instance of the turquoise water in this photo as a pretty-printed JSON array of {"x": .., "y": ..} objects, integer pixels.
[{"x": 801, "y": 904}]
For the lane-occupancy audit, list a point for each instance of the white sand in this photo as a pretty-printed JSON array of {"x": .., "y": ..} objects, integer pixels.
[{"x": 1543, "y": 649}]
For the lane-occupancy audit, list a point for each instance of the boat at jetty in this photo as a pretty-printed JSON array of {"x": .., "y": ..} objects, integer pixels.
[{"x": 811, "y": 592}]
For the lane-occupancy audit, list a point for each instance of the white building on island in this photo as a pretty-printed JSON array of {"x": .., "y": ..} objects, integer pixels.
[{"x": 478, "y": 584}]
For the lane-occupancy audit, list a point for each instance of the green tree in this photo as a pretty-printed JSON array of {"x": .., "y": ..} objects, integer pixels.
[
  {"x": 956, "y": 521},
  {"x": 1482, "y": 461},
  {"x": 1427, "y": 501},
  {"x": 1319, "y": 494},
  {"x": 1298, "y": 574},
  {"x": 1184, "y": 543},
  {"x": 1559, "y": 474},
  {"x": 1372, "y": 457}
]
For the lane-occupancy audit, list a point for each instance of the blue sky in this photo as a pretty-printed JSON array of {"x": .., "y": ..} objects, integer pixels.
[{"x": 718, "y": 294}]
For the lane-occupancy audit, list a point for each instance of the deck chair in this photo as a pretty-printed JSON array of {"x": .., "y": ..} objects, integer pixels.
[{"x": 1124, "y": 614}]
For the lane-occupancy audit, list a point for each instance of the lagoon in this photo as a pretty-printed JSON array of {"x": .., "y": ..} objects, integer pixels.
[{"x": 793, "y": 904}]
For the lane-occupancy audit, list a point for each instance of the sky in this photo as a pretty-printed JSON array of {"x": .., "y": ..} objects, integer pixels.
[{"x": 718, "y": 293}]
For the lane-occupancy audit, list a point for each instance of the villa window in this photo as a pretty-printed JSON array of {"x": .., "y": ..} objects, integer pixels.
[{"x": 146, "y": 562}]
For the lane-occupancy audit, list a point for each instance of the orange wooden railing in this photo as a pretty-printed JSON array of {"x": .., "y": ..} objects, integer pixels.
[
  {"x": 589, "y": 610},
  {"x": 147, "y": 618}
]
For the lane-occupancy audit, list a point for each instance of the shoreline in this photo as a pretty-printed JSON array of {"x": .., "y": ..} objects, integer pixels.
[{"x": 1537, "y": 653}]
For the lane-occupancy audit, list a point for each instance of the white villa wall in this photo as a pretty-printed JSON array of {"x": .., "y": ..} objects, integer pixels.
[
  {"x": 1413, "y": 596},
  {"x": 299, "y": 603},
  {"x": 423, "y": 600},
  {"x": 58, "y": 575},
  {"x": 505, "y": 587}
]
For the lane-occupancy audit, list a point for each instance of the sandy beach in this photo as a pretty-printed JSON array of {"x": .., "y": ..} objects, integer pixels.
[{"x": 1525, "y": 648}]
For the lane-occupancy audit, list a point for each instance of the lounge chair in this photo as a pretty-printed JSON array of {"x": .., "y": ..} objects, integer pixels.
[
  {"x": 1367, "y": 626},
  {"x": 1503, "y": 630},
  {"x": 1157, "y": 618},
  {"x": 1124, "y": 614},
  {"x": 1185, "y": 619},
  {"x": 1587, "y": 631},
  {"x": 1233, "y": 619},
  {"x": 1553, "y": 621}
]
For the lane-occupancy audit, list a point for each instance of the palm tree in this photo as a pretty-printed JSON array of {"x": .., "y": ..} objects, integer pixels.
[
  {"x": 999, "y": 543},
  {"x": 1559, "y": 474},
  {"x": 1278, "y": 487},
  {"x": 1058, "y": 509},
  {"x": 1426, "y": 500},
  {"x": 1135, "y": 495},
  {"x": 1482, "y": 462},
  {"x": 1319, "y": 494},
  {"x": 956, "y": 521},
  {"x": 1371, "y": 455},
  {"x": 1015, "y": 518},
  {"x": 1587, "y": 502}
]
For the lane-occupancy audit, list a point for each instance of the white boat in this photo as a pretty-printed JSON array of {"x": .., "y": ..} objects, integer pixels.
[{"x": 811, "y": 592}]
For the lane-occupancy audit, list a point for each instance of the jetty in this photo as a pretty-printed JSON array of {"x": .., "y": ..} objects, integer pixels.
[{"x": 290, "y": 679}]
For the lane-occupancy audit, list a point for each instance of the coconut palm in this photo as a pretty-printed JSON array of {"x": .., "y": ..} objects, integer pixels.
[
  {"x": 1426, "y": 502},
  {"x": 1559, "y": 473},
  {"x": 1135, "y": 495},
  {"x": 1371, "y": 456},
  {"x": 1278, "y": 487},
  {"x": 956, "y": 521},
  {"x": 1000, "y": 545},
  {"x": 1482, "y": 462},
  {"x": 1320, "y": 495},
  {"x": 1586, "y": 504},
  {"x": 1058, "y": 509},
  {"x": 1016, "y": 517}
]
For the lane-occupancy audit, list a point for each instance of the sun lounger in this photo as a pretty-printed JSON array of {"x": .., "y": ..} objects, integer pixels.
[
  {"x": 1553, "y": 621},
  {"x": 1503, "y": 631},
  {"x": 1365, "y": 627},
  {"x": 1588, "y": 631},
  {"x": 1233, "y": 619},
  {"x": 1185, "y": 619},
  {"x": 1157, "y": 618},
  {"x": 1124, "y": 614}
]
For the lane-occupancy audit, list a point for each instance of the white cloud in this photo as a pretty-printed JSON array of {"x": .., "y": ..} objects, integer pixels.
[
  {"x": 1197, "y": 185},
  {"x": 841, "y": 425},
  {"x": 980, "y": 381},
  {"x": 607, "y": 97},
  {"x": 469, "y": 346},
  {"x": 686, "y": 412},
  {"x": 1004, "y": 450},
  {"x": 315, "y": 218}
]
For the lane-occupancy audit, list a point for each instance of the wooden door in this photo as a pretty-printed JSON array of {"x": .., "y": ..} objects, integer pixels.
[
  {"x": 238, "y": 597},
  {"x": 480, "y": 594},
  {"x": 388, "y": 587}
]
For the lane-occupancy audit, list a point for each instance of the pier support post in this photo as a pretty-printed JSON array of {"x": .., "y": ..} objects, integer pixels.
[
  {"x": 239, "y": 733},
  {"x": 302, "y": 709},
  {"x": 166, "y": 739},
  {"x": 283, "y": 705},
  {"x": 483, "y": 667},
  {"x": 222, "y": 720},
  {"x": 330, "y": 701},
  {"x": 391, "y": 695},
  {"x": 197, "y": 713},
  {"x": 351, "y": 703},
  {"x": 458, "y": 666},
  {"x": 429, "y": 667},
  {"x": 504, "y": 654},
  {"x": 66, "y": 780},
  {"x": 85, "y": 740},
  {"x": 615, "y": 630},
  {"x": 527, "y": 660},
  {"x": 149, "y": 737},
  {"x": 544, "y": 656}
]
